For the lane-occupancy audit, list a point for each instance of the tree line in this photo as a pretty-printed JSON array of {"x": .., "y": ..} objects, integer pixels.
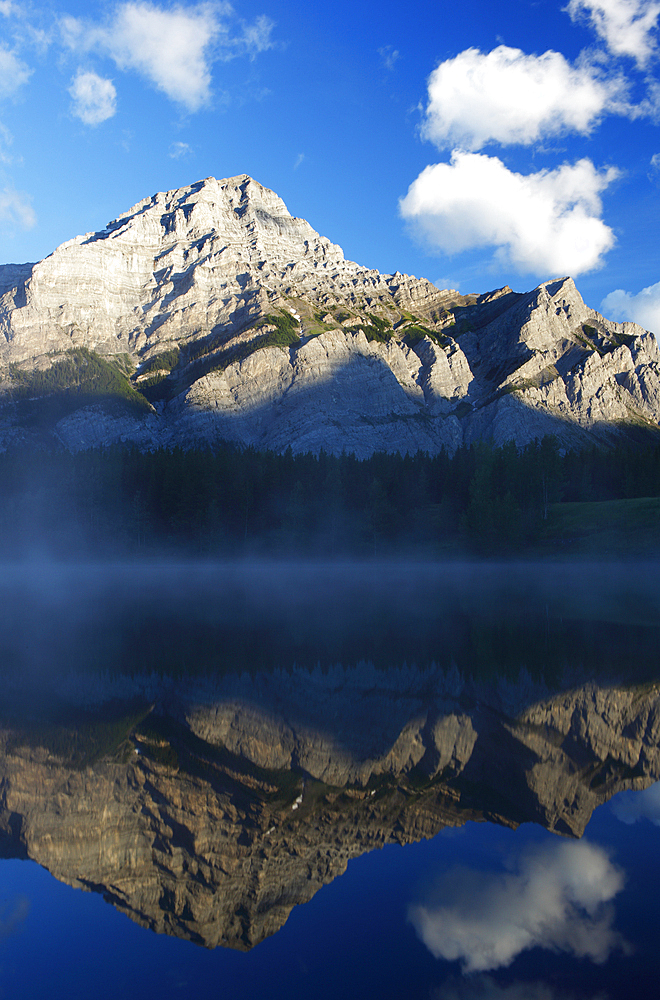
[{"x": 232, "y": 501}]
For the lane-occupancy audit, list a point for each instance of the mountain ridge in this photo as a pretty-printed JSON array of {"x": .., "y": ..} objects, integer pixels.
[{"x": 238, "y": 322}]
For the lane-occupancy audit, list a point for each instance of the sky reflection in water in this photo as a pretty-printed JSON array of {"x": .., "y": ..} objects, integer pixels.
[
  {"x": 353, "y": 939},
  {"x": 479, "y": 911}
]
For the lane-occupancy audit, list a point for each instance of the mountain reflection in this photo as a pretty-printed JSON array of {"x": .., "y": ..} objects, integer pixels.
[{"x": 208, "y": 792}]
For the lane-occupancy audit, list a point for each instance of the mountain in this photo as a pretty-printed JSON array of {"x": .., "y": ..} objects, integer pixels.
[{"x": 209, "y": 313}]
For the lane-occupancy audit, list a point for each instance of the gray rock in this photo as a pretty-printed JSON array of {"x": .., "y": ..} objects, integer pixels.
[{"x": 200, "y": 269}]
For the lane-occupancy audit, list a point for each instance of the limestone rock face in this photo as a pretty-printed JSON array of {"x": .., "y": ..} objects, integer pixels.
[
  {"x": 372, "y": 361},
  {"x": 337, "y": 391},
  {"x": 178, "y": 266}
]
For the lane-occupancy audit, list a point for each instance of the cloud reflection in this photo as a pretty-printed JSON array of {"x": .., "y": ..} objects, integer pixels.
[
  {"x": 485, "y": 988},
  {"x": 632, "y": 806},
  {"x": 557, "y": 897},
  {"x": 13, "y": 915}
]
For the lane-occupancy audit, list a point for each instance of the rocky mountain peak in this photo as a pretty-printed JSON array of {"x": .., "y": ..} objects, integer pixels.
[
  {"x": 238, "y": 209},
  {"x": 230, "y": 319},
  {"x": 177, "y": 266}
]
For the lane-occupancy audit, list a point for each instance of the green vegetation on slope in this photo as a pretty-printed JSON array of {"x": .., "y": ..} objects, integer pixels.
[
  {"x": 77, "y": 378},
  {"x": 285, "y": 334},
  {"x": 78, "y": 737},
  {"x": 374, "y": 328},
  {"x": 414, "y": 332},
  {"x": 165, "y": 361},
  {"x": 279, "y": 330}
]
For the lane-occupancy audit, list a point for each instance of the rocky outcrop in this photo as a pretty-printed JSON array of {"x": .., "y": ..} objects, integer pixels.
[
  {"x": 211, "y": 823},
  {"x": 369, "y": 361},
  {"x": 337, "y": 392},
  {"x": 182, "y": 265}
]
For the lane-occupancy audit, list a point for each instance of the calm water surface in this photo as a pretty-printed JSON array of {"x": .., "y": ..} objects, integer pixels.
[{"x": 335, "y": 781}]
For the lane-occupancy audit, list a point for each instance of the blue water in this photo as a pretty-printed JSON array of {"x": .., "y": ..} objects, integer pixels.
[{"x": 353, "y": 940}]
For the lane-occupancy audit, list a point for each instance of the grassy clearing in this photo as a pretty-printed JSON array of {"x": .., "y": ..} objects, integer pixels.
[{"x": 607, "y": 527}]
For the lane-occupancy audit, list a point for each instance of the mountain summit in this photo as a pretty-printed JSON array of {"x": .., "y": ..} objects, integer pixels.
[{"x": 209, "y": 313}]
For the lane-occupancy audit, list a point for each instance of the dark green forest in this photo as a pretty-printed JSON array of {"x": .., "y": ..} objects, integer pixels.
[{"x": 483, "y": 500}]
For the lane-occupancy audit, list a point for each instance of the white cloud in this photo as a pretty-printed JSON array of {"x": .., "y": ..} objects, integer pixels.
[
  {"x": 626, "y": 26},
  {"x": 255, "y": 37},
  {"x": 174, "y": 48},
  {"x": 650, "y": 106},
  {"x": 543, "y": 223},
  {"x": 170, "y": 47},
  {"x": 15, "y": 209},
  {"x": 507, "y": 96},
  {"x": 6, "y": 139},
  {"x": 299, "y": 159},
  {"x": 13, "y": 72},
  {"x": 178, "y": 150},
  {"x": 389, "y": 55},
  {"x": 5, "y": 7},
  {"x": 447, "y": 284},
  {"x": 632, "y": 806},
  {"x": 643, "y": 308},
  {"x": 558, "y": 899},
  {"x": 94, "y": 99}
]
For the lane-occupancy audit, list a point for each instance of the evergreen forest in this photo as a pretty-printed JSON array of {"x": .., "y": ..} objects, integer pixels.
[{"x": 229, "y": 502}]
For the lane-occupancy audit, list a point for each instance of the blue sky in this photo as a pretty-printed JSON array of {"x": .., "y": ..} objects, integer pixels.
[{"x": 475, "y": 144}]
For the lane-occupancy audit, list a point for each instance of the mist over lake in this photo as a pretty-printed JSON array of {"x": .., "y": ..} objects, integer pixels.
[{"x": 207, "y": 745}]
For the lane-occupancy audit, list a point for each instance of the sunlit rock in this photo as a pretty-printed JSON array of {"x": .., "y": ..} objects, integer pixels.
[{"x": 241, "y": 323}]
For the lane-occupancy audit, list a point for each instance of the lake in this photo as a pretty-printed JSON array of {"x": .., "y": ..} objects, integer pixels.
[{"x": 334, "y": 780}]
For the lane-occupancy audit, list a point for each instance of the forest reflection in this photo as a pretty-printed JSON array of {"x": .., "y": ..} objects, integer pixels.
[
  {"x": 207, "y": 618},
  {"x": 209, "y": 744}
]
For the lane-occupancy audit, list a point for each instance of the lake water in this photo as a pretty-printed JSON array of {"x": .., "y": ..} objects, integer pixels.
[{"x": 331, "y": 781}]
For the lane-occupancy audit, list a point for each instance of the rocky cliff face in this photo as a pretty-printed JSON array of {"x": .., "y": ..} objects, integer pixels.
[
  {"x": 239, "y": 322},
  {"x": 217, "y": 814}
]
